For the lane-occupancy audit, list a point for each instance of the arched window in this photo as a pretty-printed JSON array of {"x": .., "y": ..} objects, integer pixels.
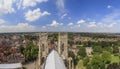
[
  {"x": 42, "y": 47},
  {"x": 62, "y": 49}
]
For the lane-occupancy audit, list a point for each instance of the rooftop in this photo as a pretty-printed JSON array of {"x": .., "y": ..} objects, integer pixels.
[{"x": 54, "y": 61}]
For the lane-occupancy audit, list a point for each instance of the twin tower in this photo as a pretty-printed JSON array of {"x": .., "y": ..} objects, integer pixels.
[{"x": 61, "y": 47}]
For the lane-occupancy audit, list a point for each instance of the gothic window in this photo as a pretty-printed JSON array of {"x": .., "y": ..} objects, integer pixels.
[
  {"x": 42, "y": 47},
  {"x": 62, "y": 47}
]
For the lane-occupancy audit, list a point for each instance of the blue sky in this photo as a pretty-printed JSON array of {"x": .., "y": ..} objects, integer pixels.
[{"x": 60, "y": 15}]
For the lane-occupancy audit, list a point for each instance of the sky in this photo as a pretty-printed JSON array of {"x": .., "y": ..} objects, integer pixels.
[{"x": 60, "y": 15}]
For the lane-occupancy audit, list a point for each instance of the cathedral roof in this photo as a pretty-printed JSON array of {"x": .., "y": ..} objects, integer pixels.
[{"x": 54, "y": 61}]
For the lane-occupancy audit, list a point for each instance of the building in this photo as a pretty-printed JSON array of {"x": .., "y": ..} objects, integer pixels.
[
  {"x": 11, "y": 66},
  {"x": 44, "y": 47}
]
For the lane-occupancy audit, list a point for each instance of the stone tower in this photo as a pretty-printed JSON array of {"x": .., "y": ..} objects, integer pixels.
[
  {"x": 63, "y": 45},
  {"x": 43, "y": 44},
  {"x": 43, "y": 48}
]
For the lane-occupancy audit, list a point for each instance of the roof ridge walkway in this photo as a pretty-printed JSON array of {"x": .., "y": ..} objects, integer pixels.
[{"x": 54, "y": 61}]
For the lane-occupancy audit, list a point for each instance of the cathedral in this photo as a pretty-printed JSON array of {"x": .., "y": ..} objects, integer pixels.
[{"x": 45, "y": 48}]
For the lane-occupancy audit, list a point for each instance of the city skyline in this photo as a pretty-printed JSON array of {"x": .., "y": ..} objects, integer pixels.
[{"x": 59, "y": 15}]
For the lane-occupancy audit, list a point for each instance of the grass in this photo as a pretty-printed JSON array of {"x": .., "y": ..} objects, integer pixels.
[
  {"x": 115, "y": 59},
  {"x": 80, "y": 65}
]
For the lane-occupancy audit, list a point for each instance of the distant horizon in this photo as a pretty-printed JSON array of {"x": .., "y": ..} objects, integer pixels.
[{"x": 60, "y": 32}]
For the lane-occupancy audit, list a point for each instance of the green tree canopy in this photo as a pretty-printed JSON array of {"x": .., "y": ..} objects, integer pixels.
[
  {"x": 113, "y": 66},
  {"x": 106, "y": 57},
  {"x": 97, "y": 49},
  {"x": 71, "y": 54},
  {"x": 86, "y": 61},
  {"x": 115, "y": 49},
  {"x": 107, "y": 48},
  {"x": 82, "y": 51},
  {"x": 30, "y": 52},
  {"x": 96, "y": 60},
  {"x": 75, "y": 58}
]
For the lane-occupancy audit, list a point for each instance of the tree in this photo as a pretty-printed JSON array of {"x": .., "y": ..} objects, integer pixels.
[
  {"x": 102, "y": 66},
  {"x": 97, "y": 49},
  {"x": 95, "y": 66},
  {"x": 106, "y": 57},
  {"x": 31, "y": 52},
  {"x": 96, "y": 60},
  {"x": 82, "y": 52},
  {"x": 86, "y": 61},
  {"x": 24, "y": 68},
  {"x": 70, "y": 42},
  {"x": 31, "y": 37},
  {"x": 108, "y": 48},
  {"x": 75, "y": 58},
  {"x": 21, "y": 48},
  {"x": 115, "y": 49},
  {"x": 113, "y": 66},
  {"x": 88, "y": 66},
  {"x": 71, "y": 54}
]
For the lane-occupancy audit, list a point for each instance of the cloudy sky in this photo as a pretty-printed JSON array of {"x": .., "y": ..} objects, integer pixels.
[{"x": 60, "y": 15}]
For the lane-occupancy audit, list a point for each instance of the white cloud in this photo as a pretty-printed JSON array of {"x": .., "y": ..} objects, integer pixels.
[
  {"x": 64, "y": 15},
  {"x": 55, "y": 24},
  {"x": 60, "y": 5},
  {"x": 29, "y": 3},
  {"x": 20, "y": 27},
  {"x": 101, "y": 25},
  {"x": 44, "y": 27},
  {"x": 2, "y": 21},
  {"x": 61, "y": 24},
  {"x": 112, "y": 17},
  {"x": 45, "y": 13},
  {"x": 92, "y": 24},
  {"x": 6, "y": 6},
  {"x": 19, "y": 3},
  {"x": 70, "y": 24},
  {"x": 80, "y": 22},
  {"x": 111, "y": 25},
  {"x": 35, "y": 14},
  {"x": 109, "y": 6}
]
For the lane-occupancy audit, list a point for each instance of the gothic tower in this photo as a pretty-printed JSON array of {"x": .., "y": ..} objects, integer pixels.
[
  {"x": 44, "y": 44},
  {"x": 63, "y": 45},
  {"x": 43, "y": 48}
]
